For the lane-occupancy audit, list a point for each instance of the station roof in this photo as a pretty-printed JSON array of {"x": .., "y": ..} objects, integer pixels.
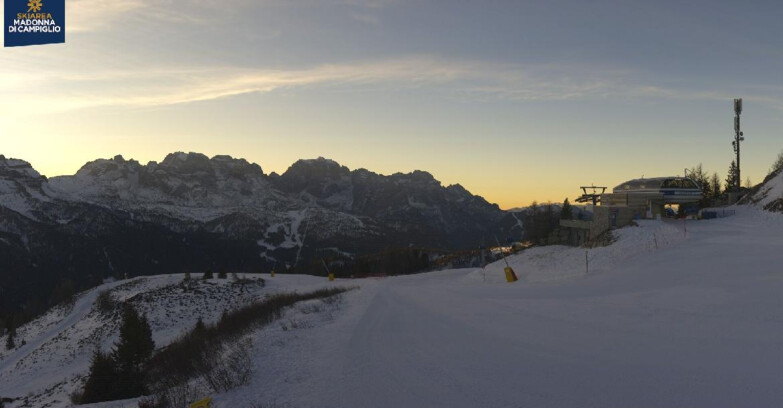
[{"x": 656, "y": 184}]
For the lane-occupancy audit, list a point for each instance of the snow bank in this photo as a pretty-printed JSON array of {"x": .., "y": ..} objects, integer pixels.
[{"x": 557, "y": 262}]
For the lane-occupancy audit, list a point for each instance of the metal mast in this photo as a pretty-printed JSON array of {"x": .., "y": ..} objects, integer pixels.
[{"x": 737, "y": 138}]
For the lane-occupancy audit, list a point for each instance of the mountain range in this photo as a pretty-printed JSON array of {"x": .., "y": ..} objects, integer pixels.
[{"x": 189, "y": 212}]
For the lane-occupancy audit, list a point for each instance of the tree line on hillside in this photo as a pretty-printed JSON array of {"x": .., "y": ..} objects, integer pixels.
[
  {"x": 541, "y": 219},
  {"x": 393, "y": 261},
  {"x": 715, "y": 190}
]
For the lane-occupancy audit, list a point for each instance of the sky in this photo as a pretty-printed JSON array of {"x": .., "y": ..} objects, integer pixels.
[{"x": 517, "y": 101}]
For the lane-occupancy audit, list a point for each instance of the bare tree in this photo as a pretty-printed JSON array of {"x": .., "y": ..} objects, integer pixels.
[
  {"x": 778, "y": 164},
  {"x": 715, "y": 185}
]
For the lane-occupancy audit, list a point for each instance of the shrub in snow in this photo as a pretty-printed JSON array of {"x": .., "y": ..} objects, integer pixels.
[{"x": 105, "y": 303}]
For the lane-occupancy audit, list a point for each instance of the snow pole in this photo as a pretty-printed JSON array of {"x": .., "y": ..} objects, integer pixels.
[
  {"x": 587, "y": 262},
  {"x": 510, "y": 275},
  {"x": 587, "y": 251},
  {"x": 482, "y": 249}
]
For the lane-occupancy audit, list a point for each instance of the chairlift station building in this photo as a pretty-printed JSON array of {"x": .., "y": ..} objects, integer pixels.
[{"x": 634, "y": 199}]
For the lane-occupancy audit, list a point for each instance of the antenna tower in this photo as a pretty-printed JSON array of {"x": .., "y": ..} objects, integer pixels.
[{"x": 738, "y": 137}]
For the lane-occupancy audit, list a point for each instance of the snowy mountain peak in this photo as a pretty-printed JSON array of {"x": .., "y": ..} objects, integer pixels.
[
  {"x": 17, "y": 168},
  {"x": 186, "y": 161},
  {"x": 319, "y": 161},
  {"x": 459, "y": 191},
  {"x": 180, "y": 180},
  {"x": 114, "y": 167},
  {"x": 416, "y": 176},
  {"x": 321, "y": 180},
  {"x": 320, "y": 167},
  {"x": 20, "y": 188}
]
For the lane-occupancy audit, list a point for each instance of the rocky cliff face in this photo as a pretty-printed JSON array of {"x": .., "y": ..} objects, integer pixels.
[{"x": 192, "y": 212}]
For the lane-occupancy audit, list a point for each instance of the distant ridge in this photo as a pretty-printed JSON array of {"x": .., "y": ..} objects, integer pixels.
[{"x": 190, "y": 212}]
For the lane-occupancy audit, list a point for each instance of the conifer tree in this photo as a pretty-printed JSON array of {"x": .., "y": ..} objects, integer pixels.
[
  {"x": 715, "y": 185},
  {"x": 101, "y": 381},
  {"x": 120, "y": 374},
  {"x": 200, "y": 327},
  {"x": 566, "y": 213},
  {"x": 10, "y": 341},
  {"x": 208, "y": 274},
  {"x": 200, "y": 330},
  {"x": 135, "y": 345},
  {"x": 133, "y": 349},
  {"x": 222, "y": 274},
  {"x": 731, "y": 178}
]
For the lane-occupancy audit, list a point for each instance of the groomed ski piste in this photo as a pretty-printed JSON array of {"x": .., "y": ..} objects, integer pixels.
[{"x": 668, "y": 315}]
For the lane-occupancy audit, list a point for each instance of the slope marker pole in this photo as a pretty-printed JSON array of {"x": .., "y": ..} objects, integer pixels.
[
  {"x": 328, "y": 272},
  {"x": 510, "y": 275}
]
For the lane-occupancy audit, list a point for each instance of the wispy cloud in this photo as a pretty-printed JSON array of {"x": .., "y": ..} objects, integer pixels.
[
  {"x": 76, "y": 88},
  {"x": 139, "y": 87},
  {"x": 88, "y": 15},
  {"x": 105, "y": 15}
]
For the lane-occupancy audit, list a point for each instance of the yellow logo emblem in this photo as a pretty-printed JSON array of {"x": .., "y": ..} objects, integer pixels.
[{"x": 35, "y": 5}]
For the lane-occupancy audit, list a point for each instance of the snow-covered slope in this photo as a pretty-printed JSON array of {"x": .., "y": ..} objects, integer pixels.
[
  {"x": 668, "y": 315},
  {"x": 769, "y": 195},
  {"x": 54, "y": 350},
  {"x": 556, "y": 262},
  {"x": 693, "y": 322}
]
